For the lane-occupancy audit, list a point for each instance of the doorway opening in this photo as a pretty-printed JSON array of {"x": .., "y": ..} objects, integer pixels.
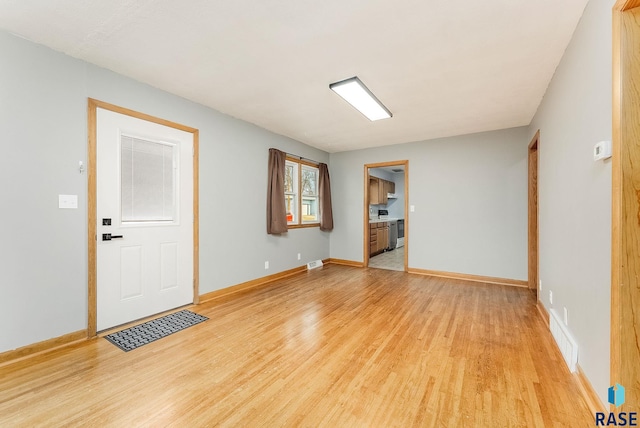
[
  {"x": 533, "y": 213},
  {"x": 386, "y": 226}
]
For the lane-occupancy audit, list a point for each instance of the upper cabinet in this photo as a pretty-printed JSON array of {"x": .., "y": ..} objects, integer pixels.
[
  {"x": 373, "y": 191},
  {"x": 378, "y": 190},
  {"x": 390, "y": 187}
]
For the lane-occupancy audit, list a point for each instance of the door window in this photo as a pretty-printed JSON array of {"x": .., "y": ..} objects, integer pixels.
[{"x": 147, "y": 180}]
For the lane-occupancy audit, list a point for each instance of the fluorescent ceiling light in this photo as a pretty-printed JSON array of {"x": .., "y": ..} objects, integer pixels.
[{"x": 358, "y": 95}]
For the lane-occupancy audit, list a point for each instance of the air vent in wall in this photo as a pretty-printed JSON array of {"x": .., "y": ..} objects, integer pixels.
[
  {"x": 566, "y": 343},
  {"x": 314, "y": 264}
]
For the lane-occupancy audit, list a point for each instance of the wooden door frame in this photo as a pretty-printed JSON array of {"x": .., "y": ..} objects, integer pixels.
[
  {"x": 625, "y": 230},
  {"x": 365, "y": 221},
  {"x": 533, "y": 215},
  {"x": 93, "y": 106}
]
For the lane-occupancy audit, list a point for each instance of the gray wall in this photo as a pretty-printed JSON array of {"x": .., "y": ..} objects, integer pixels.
[
  {"x": 43, "y": 118},
  {"x": 575, "y": 191},
  {"x": 470, "y": 198}
]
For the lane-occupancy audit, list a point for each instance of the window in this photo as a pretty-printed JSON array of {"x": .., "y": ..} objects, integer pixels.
[
  {"x": 147, "y": 180},
  {"x": 291, "y": 192},
  {"x": 309, "y": 186},
  {"x": 301, "y": 193}
]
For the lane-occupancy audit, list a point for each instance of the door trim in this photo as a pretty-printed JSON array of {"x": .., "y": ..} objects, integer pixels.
[
  {"x": 625, "y": 208},
  {"x": 365, "y": 237},
  {"x": 533, "y": 217},
  {"x": 93, "y": 106}
]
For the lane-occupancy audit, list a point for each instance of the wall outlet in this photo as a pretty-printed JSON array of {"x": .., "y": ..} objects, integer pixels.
[
  {"x": 412, "y": 208},
  {"x": 540, "y": 286},
  {"x": 298, "y": 256},
  {"x": 266, "y": 265},
  {"x": 551, "y": 297},
  {"x": 566, "y": 316}
]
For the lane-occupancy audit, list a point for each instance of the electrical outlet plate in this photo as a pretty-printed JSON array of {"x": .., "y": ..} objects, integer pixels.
[
  {"x": 266, "y": 265},
  {"x": 566, "y": 316},
  {"x": 550, "y": 297}
]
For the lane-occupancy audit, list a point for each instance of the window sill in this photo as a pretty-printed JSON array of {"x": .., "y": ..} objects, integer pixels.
[{"x": 302, "y": 226}]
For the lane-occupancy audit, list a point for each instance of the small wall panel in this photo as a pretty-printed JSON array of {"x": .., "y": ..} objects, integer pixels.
[
  {"x": 168, "y": 265},
  {"x": 130, "y": 272}
]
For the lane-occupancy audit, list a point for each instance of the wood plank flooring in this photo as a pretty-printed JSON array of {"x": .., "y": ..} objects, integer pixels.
[{"x": 337, "y": 346}]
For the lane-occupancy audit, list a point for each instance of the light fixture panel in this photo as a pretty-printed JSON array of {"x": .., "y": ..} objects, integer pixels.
[{"x": 355, "y": 92}]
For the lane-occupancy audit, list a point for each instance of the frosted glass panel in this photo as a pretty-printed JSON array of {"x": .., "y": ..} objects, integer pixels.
[{"x": 147, "y": 180}]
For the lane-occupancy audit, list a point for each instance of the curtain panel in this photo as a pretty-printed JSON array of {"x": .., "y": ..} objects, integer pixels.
[
  {"x": 276, "y": 211},
  {"x": 324, "y": 190}
]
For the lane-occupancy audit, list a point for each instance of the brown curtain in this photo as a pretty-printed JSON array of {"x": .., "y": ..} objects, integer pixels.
[
  {"x": 326, "y": 212},
  {"x": 276, "y": 213}
]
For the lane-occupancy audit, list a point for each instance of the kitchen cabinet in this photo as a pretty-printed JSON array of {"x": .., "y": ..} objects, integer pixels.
[
  {"x": 390, "y": 187},
  {"x": 383, "y": 238},
  {"x": 374, "y": 191},
  {"x": 378, "y": 237},
  {"x": 373, "y": 238},
  {"x": 378, "y": 189},
  {"x": 382, "y": 194}
]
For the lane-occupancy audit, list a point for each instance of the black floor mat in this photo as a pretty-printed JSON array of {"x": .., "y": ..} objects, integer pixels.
[{"x": 150, "y": 331}]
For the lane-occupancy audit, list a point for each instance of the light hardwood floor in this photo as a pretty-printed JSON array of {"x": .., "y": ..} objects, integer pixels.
[{"x": 336, "y": 346}]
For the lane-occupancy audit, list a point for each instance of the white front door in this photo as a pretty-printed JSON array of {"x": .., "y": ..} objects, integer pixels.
[{"x": 144, "y": 209}]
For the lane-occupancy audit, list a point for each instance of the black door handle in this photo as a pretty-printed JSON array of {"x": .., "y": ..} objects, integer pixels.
[{"x": 109, "y": 237}]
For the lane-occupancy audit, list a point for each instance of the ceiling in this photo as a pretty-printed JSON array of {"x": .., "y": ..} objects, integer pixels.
[{"x": 442, "y": 67}]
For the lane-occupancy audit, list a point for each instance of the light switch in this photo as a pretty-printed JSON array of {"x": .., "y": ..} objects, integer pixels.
[
  {"x": 412, "y": 208},
  {"x": 68, "y": 201}
]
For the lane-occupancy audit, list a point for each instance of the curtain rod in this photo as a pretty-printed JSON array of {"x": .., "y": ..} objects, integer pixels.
[{"x": 303, "y": 158}]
